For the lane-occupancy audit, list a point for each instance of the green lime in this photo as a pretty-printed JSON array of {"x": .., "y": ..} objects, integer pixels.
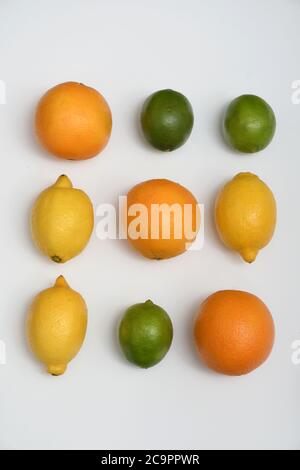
[
  {"x": 145, "y": 334},
  {"x": 249, "y": 124},
  {"x": 167, "y": 120}
]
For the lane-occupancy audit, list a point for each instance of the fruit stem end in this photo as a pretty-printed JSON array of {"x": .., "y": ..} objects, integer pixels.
[
  {"x": 63, "y": 182},
  {"x": 56, "y": 370},
  {"x": 61, "y": 282}
]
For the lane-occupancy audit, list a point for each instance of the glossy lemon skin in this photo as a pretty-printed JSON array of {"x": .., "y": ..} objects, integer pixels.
[
  {"x": 56, "y": 326},
  {"x": 62, "y": 221},
  {"x": 245, "y": 215}
]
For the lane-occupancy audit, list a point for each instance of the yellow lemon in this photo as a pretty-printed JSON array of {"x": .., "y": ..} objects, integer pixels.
[
  {"x": 56, "y": 326},
  {"x": 62, "y": 221},
  {"x": 246, "y": 215}
]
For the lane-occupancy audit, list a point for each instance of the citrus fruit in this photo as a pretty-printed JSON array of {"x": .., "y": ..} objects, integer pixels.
[
  {"x": 56, "y": 326},
  {"x": 145, "y": 334},
  {"x": 62, "y": 221},
  {"x": 73, "y": 121},
  {"x": 167, "y": 119},
  {"x": 234, "y": 332},
  {"x": 249, "y": 124},
  {"x": 162, "y": 218},
  {"x": 245, "y": 215}
]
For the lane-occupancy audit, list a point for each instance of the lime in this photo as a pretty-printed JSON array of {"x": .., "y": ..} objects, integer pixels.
[
  {"x": 145, "y": 334},
  {"x": 249, "y": 124},
  {"x": 167, "y": 120}
]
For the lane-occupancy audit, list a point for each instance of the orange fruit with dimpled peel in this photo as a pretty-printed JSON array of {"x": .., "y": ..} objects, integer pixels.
[
  {"x": 169, "y": 233},
  {"x": 234, "y": 332},
  {"x": 73, "y": 121}
]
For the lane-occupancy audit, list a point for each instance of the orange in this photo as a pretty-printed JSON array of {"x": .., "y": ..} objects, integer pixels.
[
  {"x": 234, "y": 332},
  {"x": 73, "y": 121},
  {"x": 162, "y": 218}
]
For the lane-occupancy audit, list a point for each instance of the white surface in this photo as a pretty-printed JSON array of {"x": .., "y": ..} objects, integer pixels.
[{"x": 212, "y": 51}]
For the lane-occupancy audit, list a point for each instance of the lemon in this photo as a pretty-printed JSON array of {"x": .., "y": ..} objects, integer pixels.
[
  {"x": 56, "y": 326},
  {"x": 62, "y": 221},
  {"x": 246, "y": 215}
]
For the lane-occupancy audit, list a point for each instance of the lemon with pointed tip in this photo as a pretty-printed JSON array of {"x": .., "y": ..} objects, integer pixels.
[
  {"x": 245, "y": 215},
  {"x": 62, "y": 221},
  {"x": 56, "y": 326}
]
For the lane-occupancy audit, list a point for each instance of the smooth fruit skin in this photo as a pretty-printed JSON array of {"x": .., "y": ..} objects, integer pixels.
[
  {"x": 56, "y": 326},
  {"x": 167, "y": 120},
  {"x": 62, "y": 221},
  {"x": 145, "y": 334},
  {"x": 73, "y": 121},
  {"x": 234, "y": 332},
  {"x": 161, "y": 192},
  {"x": 245, "y": 215},
  {"x": 249, "y": 124}
]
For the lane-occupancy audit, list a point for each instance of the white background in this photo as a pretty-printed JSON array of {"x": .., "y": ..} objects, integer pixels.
[{"x": 212, "y": 51}]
